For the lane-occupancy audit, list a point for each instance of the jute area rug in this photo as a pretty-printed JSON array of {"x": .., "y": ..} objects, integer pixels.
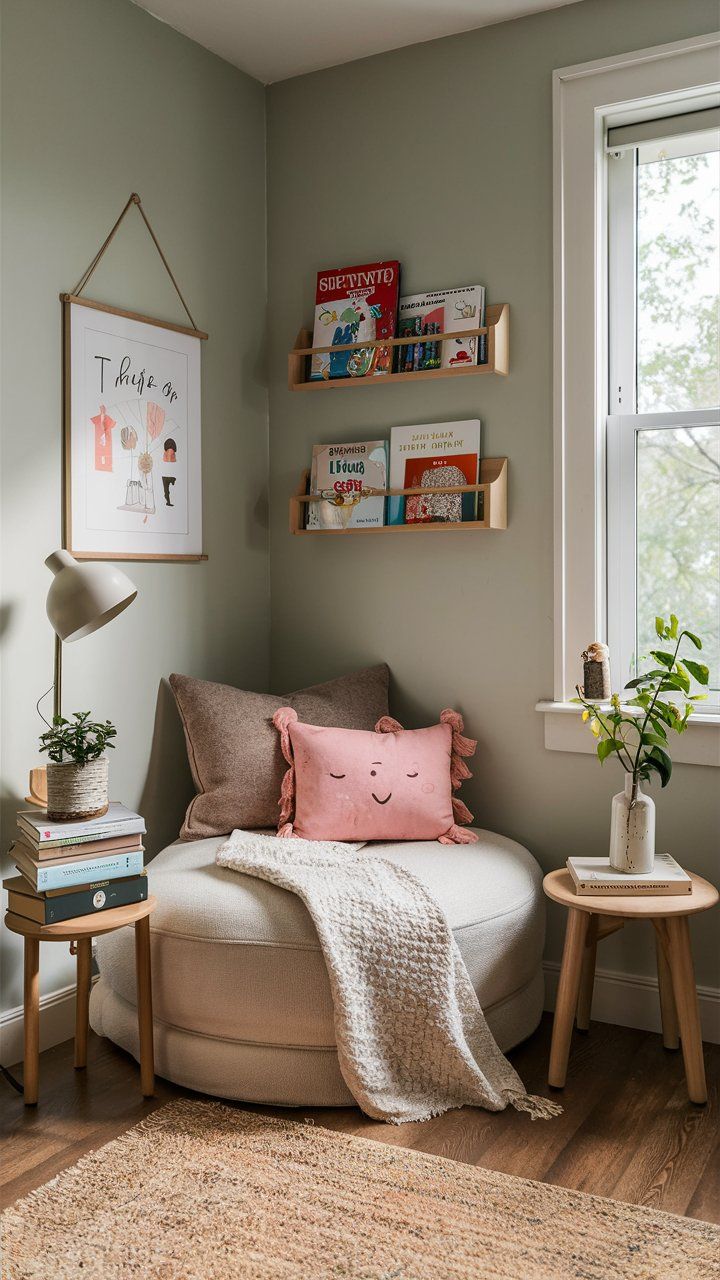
[{"x": 201, "y": 1191}]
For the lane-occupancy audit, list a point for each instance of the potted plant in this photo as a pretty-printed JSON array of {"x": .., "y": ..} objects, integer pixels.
[
  {"x": 77, "y": 778},
  {"x": 637, "y": 736}
]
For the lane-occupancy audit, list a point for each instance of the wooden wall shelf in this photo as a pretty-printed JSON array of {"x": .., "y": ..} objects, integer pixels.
[
  {"x": 492, "y": 492},
  {"x": 498, "y": 361}
]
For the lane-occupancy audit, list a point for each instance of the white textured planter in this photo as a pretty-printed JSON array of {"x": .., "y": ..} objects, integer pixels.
[
  {"x": 77, "y": 791},
  {"x": 632, "y": 831}
]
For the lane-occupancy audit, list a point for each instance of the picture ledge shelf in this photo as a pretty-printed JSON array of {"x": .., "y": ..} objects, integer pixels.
[
  {"x": 492, "y": 499},
  {"x": 498, "y": 361}
]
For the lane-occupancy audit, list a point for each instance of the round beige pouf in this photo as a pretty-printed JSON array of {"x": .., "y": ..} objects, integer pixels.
[{"x": 241, "y": 996}]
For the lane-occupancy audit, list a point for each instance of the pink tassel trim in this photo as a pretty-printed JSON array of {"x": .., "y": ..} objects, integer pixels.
[
  {"x": 461, "y": 813},
  {"x": 456, "y": 835},
  {"x": 285, "y": 716},
  {"x": 386, "y": 724},
  {"x": 461, "y": 748}
]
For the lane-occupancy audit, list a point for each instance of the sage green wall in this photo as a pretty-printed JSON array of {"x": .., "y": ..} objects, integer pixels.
[
  {"x": 441, "y": 155},
  {"x": 98, "y": 100}
]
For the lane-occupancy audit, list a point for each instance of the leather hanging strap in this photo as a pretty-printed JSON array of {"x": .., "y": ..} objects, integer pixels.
[{"x": 134, "y": 199}]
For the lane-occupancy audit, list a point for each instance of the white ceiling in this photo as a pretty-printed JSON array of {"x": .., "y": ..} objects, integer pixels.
[{"x": 275, "y": 39}]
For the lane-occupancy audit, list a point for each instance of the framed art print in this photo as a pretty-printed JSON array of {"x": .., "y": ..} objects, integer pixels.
[{"x": 133, "y": 484}]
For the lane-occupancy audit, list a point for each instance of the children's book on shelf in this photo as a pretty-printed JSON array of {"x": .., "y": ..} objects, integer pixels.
[
  {"x": 341, "y": 473},
  {"x": 594, "y": 877},
  {"x": 438, "y": 455},
  {"x": 353, "y": 304},
  {"x": 449, "y": 310}
]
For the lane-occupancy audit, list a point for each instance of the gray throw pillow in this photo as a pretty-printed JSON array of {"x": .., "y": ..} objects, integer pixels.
[{"x": 234, "y": 748}]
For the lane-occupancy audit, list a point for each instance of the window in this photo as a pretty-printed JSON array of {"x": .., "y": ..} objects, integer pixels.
[
  {"x": 635, "y": 511},
  {"x": 663, "y": 427}
]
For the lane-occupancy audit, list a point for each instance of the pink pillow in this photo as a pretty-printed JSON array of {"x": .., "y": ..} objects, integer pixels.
[{"x": 393, "y": 784}]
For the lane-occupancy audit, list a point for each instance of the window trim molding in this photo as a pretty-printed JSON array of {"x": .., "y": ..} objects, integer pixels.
[
  {"x": 565, "y": 731},
  {"x": 584, "y": 96}
]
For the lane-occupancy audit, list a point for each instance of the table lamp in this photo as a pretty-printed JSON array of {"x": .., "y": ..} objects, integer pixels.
[{"x": 81, "y": 599}]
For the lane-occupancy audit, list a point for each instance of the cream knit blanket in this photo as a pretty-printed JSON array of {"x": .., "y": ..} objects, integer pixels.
[{"x": 412, "y": 1040}]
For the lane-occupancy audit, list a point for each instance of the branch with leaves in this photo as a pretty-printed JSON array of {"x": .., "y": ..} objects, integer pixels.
[{"x": 663, "y": 702}]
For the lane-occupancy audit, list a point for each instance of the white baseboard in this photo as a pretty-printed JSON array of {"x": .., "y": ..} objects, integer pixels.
[
  {"x": 631, "y": 1000},
  {"x": 628, "y": 1000},
  {"x": 57, "y": 1023}
]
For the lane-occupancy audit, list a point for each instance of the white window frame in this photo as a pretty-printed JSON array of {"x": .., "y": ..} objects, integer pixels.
[{"x": 585, "y": 99}]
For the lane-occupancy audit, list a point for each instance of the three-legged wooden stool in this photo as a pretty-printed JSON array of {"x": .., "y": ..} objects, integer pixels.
[
  {"x": 80, "y": 933},
  {"x": 590, "y": 919}
]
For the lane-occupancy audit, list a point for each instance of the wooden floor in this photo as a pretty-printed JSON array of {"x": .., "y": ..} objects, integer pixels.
[{"x": 627, "y": 1132}]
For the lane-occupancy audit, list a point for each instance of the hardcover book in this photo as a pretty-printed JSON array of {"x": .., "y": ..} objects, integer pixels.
[
  {"x": 445, "y": 472},
  {"x": 353, "y": 304},
  {"x": 58, "y": 855},
  {"x": 342, "y": 472},
  {"x": 78, "y": 871},
  {"x": 594, "y": 877},
  {"x": 435, "y": 455},
  {"x": 447, "y": 311},
  {"x": 100, "y": 896},
  {"x": 82, "y": 849},
  {"x": 118, "y": 821}
]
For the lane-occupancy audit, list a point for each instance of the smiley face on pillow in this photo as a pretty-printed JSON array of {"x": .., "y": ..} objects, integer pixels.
[{"x": 393, "y": 784}]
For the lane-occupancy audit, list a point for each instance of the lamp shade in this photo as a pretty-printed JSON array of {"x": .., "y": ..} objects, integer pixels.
[{"x": 83, "y": 597}]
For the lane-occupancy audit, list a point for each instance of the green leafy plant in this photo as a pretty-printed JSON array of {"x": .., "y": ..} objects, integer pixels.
[
  {"x": 78, "y": 740},
  {"x": 637, "y": 733}
]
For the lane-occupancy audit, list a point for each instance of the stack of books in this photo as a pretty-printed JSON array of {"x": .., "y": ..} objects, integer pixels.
[
  {"x": 70, "y": 869},
  {"x": 595, "y": 878}
]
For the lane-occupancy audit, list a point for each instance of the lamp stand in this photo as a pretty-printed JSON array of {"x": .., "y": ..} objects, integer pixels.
[
  {"x": 57, "y": 676},
  {"x": 37, "y": 784}
]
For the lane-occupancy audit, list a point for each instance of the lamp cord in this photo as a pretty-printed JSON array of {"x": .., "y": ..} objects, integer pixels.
[
  {"x": 11, "y": 1079},
  {"x": 37, "y": 705}
]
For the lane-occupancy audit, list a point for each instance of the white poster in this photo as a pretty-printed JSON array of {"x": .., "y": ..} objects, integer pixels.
[{"x": 133, "y": 458}]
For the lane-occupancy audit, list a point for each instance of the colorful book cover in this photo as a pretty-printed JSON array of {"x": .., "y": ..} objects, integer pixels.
[
  {"x": 424, "y": 354},
  {"x": 446, "y": 311},
  {"x": 353, "y": 304},
  {"x": 341, "y": 472},
  {"x": 446, "y": 472},
  {"x": 448, "y": 443}
]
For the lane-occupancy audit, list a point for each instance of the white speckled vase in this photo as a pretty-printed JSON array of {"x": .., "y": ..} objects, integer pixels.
[{"x": 632, "y": 831}]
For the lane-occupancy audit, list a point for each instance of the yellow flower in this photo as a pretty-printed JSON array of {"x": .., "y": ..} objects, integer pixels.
[
  {"x": 615, "y": 700},
  {"x": 586, "y": 714},
  {"x": 595, "y": 727}
]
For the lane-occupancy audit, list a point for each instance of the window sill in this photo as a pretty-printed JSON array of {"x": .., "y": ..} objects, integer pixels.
[{"x": 565, "y": 731}]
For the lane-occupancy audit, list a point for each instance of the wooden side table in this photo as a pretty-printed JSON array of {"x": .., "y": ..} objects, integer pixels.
[
  {"x": 590, "y": 919},
  {"x": 81, "y": 932}
]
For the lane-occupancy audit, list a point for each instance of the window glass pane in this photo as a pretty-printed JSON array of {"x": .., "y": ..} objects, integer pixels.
[
  {"x": 678, "y": 275},
  {"x": 678, "y": 537}
]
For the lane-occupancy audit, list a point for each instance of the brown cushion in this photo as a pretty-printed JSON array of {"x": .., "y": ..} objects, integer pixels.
[{"x": 234, "y": 748}]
